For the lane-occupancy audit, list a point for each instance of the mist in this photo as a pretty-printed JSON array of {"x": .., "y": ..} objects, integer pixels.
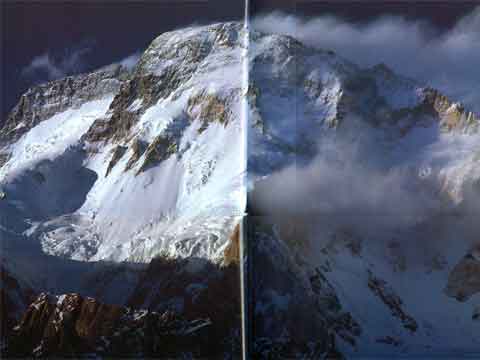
[
  {"x": 354, "y": 183},
  {"x": 427, "y": 189},
  {"x": 130, "y": 61},
  {"x": 52, "y": 66}
]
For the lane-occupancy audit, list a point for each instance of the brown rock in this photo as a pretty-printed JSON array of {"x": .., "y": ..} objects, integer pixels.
[
  {"x": 118, "y": 152},
  {"x": 232, "y": 251}
]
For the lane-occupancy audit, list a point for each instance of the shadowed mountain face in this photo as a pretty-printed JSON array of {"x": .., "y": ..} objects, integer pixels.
[
  {"x": 189, "y": 314},
  {"x": 363, "y": 195},
  {"x": 123, "y": 191}
]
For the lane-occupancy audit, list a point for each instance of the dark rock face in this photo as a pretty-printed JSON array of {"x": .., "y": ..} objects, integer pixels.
[
  {"x": 150, "y": 82},
  {"x": 121, "y": 119},
  {"x": 452, "y": 116},
  {"x": 43, "y": 101},
  {"x": 232, "y": 251},
  {"x": 71, "y": 326},
  {"x": 116, "y": 156},
  {"x": 160, "y": 149},
  {"x": 14, "y": 299},
  {"x": 138, "y": 148},
  {"x": 195, "y": 288},
  {"x": 464, "y": 281},
  {"x": 209, "y": 108},
  {"x": 145, "y": 87},
  {"x": 191, "y": 308},
  {"x": 291, "y": 316},
  {"x": 380, "y": 288}
]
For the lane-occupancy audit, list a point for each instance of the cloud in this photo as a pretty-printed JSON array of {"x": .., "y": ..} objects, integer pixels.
[
  {"x": 51, "y": 66},
  {"x": 352, "y": 182},
  {"x": 349, "y": 176},
  {"x": 448, "y": 61},
  {"x": 355, "y": 184},
  {"x": 43, "y": 63},
  {"x": 130, "y": 61}
]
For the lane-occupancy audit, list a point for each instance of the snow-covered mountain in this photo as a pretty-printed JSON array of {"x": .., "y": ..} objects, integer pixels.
[
  {"x": 140, "y": 155},
  {"x": 103, "y": 172},
  {"x": 363, "y": 189}
]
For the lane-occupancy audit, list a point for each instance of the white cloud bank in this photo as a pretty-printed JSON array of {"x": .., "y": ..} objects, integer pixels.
[{"x": 449, "y": 61}]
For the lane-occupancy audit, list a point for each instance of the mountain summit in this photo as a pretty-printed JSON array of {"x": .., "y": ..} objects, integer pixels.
[
  {"x": 364, "y": 187},
  {"x": 113, "y": 165},
  {"x": 128, "y": 186}
]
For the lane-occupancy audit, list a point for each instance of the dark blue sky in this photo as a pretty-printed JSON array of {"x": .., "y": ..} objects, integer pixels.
[{"x": 79, "y": 36}]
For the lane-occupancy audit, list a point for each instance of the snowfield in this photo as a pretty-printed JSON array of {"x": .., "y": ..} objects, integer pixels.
[
  {"x": 365, "y": 185},
  {"x": 187, "y": 205}
]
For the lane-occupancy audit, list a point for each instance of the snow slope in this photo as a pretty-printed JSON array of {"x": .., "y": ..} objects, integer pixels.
[
  {"x": 82, "y": 201},
  {"x": 363, "y": 186},
  {"x": 368, "y": 181}
]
